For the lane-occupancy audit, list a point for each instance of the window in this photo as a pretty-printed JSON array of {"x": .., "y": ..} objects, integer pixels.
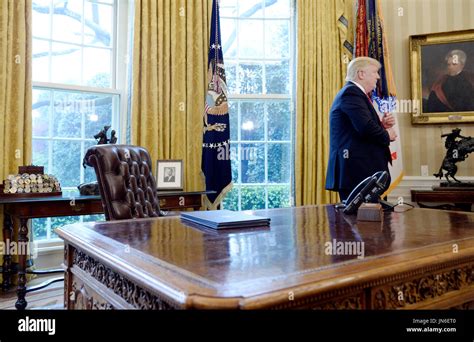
[
  {"x": 75, "y": 90},
  {"x": 258, "y": 41}
]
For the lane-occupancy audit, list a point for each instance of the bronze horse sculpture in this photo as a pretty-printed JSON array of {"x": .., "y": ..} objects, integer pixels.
[{"x": 458, "y": 148}]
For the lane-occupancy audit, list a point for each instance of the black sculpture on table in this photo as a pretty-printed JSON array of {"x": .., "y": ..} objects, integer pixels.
[
  {"x": 92, "y": 188},
  {"x": 458, "y": 148},
  {"x": 102, "y": 136}
]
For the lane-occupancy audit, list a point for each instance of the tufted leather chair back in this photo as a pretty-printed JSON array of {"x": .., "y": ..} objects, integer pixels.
[{"x": 126, "y": 182}]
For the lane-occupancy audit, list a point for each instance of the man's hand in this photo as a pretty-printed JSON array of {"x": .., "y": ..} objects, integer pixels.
[
  {"x": 388, "y": 121},
  {"x": 391, "y": 133}
]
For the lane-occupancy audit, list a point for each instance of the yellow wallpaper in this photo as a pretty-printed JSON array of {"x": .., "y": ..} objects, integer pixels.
[{"x": 422, "y": 144}]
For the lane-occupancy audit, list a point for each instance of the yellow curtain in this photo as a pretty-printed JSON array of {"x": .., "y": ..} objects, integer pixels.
[
  {"x": 321, "y": 71},
  {"x": 171, "y": 42},
  {"x": 15, "y": 86}
]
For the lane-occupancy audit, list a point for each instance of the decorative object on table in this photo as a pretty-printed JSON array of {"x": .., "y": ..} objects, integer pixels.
[
  {"x": 458, "y": 148},
  {"x": 442, "y": 66},
  {"x": 30, "y": 182},
  {"x": 169, "y": 175},
  {"x": 371, "y": 212},
  {"x": 113, "y": 137},
  {"x": 89, "y": 189},
  {"x": 102, "y": 139}
]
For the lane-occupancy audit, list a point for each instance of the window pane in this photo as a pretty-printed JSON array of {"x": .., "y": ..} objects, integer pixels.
[
  {"x": 278, "y": 78},
  {"x": 250, "y": 39},
  {"x": 66, "y": 59},
  {"x": 252, "y": 121},
  {"x": 41, "y": 153},
  {"x": 233, "y": 117},
  {"x": 98, "y": 26},
  {"x": 279, "y": 196},
  {"x": 98, "y": 114},
  {"x": 41, "y": 108},
  {"x": 230, "y": 75},
  {"x": 279, "y": 157},
  {"x": 67, "y": 21},
  {"x": 278, "y": 9},
  {"x": 57, "y": 222},
  {"x": 279, "y": 121},
  {"x": 228, "y": 8},
  {"x": 39, "y": 228},
  {"x": 253, "y": 163},
  {"x": 93, "y": 218},
  {"x": 67, "y": 114},
  {"x": 41, "y": 18},
  {"x": 253, "y": 198},
  {"x": 102, "y": 1},
  {"x": 235, "y": 163},
  {"x": 40, "y": 60},
  {"x": 67, "y": 162},
  {"x": 97, "y": 64},
  {"x": 250, "y": 79},
  {"x": 231, "y": 200},
  {"x": 250, "y": 8},
  {"x": 277, "y": 43},
  {"x": 229, "y": 37}
]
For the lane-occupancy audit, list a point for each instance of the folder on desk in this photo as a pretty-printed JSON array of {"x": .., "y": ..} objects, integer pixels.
[{"x": 225, "y": 219}]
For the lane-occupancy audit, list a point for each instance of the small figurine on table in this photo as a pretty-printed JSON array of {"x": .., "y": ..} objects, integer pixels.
[
  {"x": 113, "y": 138},
  {"x": 102, "y": 136}
]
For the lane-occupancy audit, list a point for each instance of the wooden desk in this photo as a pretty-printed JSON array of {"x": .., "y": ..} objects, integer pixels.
[
  {"x": 54, "y": 206},
  {"x": 420, "y": 259},
  {"x": 448, "y": 198}
]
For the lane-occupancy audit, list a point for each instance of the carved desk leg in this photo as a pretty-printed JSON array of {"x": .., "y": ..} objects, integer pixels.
[
  {"x": 22, "y": 240},
  {"x": 7, "y": 258}
]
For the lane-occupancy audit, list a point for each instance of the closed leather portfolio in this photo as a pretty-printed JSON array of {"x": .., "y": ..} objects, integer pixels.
[{"x": 225, "y": 219}]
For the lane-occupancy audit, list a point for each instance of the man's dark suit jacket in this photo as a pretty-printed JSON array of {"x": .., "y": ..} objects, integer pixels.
[{"x": 359, "y": 145}]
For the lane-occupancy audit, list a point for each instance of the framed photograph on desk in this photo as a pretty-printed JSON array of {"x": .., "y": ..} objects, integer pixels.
[{"x": 169, "y": 175}]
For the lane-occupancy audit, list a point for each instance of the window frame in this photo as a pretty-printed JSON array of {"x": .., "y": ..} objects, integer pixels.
[
  {"x": 266, "y": 97},
  {"x": 119, "y": 77}
]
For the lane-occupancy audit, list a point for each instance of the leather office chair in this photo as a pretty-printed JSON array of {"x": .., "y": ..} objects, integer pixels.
[{"x": 126, "y": 182}]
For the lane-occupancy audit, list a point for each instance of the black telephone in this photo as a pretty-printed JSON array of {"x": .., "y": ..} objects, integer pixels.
[{"x": 369, "y": 190}]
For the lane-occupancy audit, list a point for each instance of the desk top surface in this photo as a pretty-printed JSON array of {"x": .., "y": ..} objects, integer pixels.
[
  {"x": 303, "y": 245},
  {"x": 79, "y": 198}
]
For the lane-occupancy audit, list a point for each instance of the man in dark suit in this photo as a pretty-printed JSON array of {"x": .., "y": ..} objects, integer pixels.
[
  {"x": 169, "y": 175},
  {"x": 359, "y": 140}
]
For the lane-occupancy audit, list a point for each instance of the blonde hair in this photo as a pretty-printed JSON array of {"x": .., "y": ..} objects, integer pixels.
[{"x": 360, "y": 63}]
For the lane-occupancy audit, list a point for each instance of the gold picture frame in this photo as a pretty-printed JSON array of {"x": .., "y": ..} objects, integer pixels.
[{"x": 436, "y": 69}]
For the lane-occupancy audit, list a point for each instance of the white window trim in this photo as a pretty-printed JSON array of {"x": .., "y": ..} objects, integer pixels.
[
  {"x": 119, "y": 79},
  {"x": 236, "y": 60}
]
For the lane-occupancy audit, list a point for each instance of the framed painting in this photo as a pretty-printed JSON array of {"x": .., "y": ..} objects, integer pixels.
[{"x": 442, "y": 77}]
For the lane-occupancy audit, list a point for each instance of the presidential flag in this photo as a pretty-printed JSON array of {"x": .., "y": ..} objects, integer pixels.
[
  {"x": 370, "y": 40},
  {"x": 216, "y": 163}
]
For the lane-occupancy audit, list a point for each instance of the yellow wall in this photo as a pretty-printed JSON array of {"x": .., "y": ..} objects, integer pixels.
[{"x": 422, "y": 145}]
